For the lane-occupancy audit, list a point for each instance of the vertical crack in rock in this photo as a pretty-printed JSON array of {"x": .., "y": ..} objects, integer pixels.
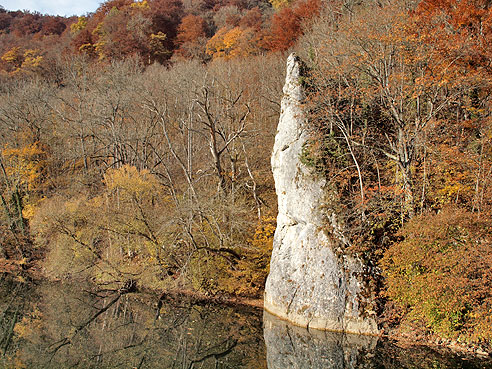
[{"x": 308, "y": 283}]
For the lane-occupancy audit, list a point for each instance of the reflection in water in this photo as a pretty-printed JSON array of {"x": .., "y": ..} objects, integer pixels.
[
  {"x": 289, "y": 346},
  {"x": 67, "y": 326},
  {"x": 74, "y": 326}
]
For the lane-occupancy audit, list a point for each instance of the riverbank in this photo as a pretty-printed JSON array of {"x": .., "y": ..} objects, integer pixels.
[
  {"x": 406, "y": 340},
  {"x": 201, "y": 298},
  {"x": 416, "y": 338}
]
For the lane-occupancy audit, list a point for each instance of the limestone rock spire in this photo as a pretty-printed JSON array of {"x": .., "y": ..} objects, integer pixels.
[{"x": 309, "y": 283}]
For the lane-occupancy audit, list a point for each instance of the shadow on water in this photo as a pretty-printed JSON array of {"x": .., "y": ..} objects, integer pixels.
[{"x": 77, "y": 326}]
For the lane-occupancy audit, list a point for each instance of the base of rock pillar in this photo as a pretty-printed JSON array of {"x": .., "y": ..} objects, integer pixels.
[{"x": 361, "y": 326}]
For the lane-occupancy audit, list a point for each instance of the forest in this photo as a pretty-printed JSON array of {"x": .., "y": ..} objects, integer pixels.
[{"x": 135, "y": 147}]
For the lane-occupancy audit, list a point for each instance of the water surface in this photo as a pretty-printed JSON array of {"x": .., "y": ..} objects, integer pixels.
[{"x": 77, "y": 326}]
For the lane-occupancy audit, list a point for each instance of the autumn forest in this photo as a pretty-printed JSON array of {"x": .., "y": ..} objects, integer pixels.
[{"x": 135, "y": 147}]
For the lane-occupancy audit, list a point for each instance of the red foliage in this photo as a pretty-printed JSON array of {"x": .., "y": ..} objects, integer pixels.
[
  {"x": 5, "y": 20},
  {"x": 210, "y": 4},
  {"x": 286, "y": 28},
  {"x": 166, "y": 16},
  {"x": 241, "y": 4},
  {"x": 154, "y": 29},
  {"x": 252, "y": 19},
  {"x": 53, "y": 26},
  {"x": 27, "y": 25},
  {"x": 191, "y": 37},
  {"x": 120, "y": 40},
  {"x": 287, "y": 24},
  {"x": 306, "y": 10},
  {"x": 84, "y": 37}
]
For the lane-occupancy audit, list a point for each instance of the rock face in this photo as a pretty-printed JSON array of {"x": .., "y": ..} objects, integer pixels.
[{"x": 310, "y": 284}]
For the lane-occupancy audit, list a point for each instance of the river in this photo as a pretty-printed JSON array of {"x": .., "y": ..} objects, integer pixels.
[{"x": 53, "y": 325}]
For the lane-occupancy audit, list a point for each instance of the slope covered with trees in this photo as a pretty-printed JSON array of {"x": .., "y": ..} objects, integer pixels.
[
  {"x": 400, "y": 113},
  {"x": 136, "y": 142},
  {"x": 154, "y": 30},
  {"x": 152, "y": 176}
]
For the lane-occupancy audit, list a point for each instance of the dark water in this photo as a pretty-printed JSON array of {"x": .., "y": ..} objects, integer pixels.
[{"x": 60, "y": 326}]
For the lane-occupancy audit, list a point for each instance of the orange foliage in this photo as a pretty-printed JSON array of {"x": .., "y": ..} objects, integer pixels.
[
  {"x": 229, "y": 43},
  {"x": 192, "y": 28},
  {"x": 251, "y": 275},
  {"x": 191, "y": 36},
  {"x": 460, "y": 33}
]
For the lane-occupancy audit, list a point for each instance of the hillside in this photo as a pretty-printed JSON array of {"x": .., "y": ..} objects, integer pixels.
[
  {"x": 136, "y": 146},
  {"x": 161, "y": 31}
]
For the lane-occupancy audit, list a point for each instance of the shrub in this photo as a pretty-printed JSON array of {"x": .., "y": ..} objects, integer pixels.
[{"x": 441, "y": 273}]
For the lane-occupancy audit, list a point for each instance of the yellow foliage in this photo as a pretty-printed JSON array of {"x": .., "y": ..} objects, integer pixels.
[
  {"x": 156, "y": 46},
  {"x": 98, "y": 31},
  {"x": 99, "y": 49},
  {"x": 249, "y": 277},
  {"x": 25, "y": 164},
  {"x": 13, "y": 362},
  {"x": 28, "y": 211},
  {"x": 279, "y": 4},
  {"x": 22, "y": 328},
  {"x": 88, "y": 48},
  {"x": 13, "y": 56},
  {"x": 231, "y": 38},
  {"x": 79, "y": 26},
  {"x": 72, "y": 206},
  {"x": 140, "y": 5},
  {"x": 28, "y": 326},
  {"x": 129, "y": 180},
  {"x": 18, "y": 61},
  {"x": 159, "y": 36},
  {"x": 263, "y": 237},
  {"x": 119, "y": 230},
  {"x": 32, "y": 59}
]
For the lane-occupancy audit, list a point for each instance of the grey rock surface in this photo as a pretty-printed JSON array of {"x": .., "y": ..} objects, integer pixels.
[{"x": 310, "y": 284}]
